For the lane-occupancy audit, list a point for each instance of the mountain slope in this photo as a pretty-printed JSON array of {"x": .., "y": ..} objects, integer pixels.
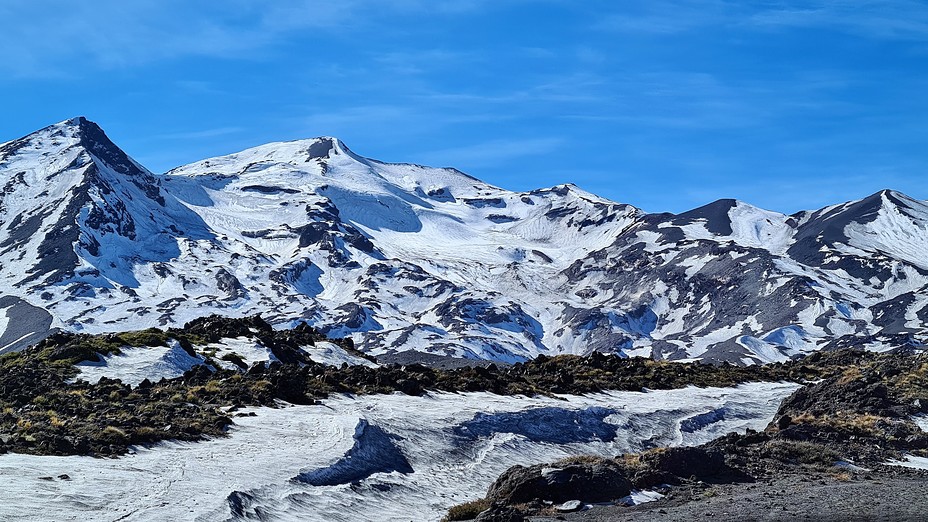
[{"x": 404, "y": 257}]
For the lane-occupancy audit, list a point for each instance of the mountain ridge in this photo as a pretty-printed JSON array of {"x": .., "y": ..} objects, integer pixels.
[{"x": 406, "y": 257}]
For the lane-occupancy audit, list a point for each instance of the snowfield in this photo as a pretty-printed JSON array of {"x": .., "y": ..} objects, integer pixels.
[
  {"x": 378, "y": 458},
  {"x": 136, "y": 364}
]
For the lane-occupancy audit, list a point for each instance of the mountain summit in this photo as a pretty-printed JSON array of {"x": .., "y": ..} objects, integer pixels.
[{"x": 410, "y": 260}]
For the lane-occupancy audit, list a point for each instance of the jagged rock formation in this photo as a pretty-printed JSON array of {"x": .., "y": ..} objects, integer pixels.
[{"x": 403, "y": 257}]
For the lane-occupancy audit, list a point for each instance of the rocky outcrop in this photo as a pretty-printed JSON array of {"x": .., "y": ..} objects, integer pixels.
[
  {"x": 570, "y": 484},
  {"x": 860, "y": 413},
  {"x": 591, "y": 481}
]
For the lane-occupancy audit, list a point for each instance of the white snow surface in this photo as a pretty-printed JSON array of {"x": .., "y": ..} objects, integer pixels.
[
  {"x": 910, "y": 461},
  {"x": 921, "y": 421},
  {"x": 759, "y": 228},
  {"x": 334, "y": 355},
  {"x": 455, "y": 445},
  {"x": 405, "y": 257},
  {"x": 135, "y": 364},
  {"x": 250, "y": 350},
  {"x": 895, "y": 231},
  {"x": 641, "y": 497}
]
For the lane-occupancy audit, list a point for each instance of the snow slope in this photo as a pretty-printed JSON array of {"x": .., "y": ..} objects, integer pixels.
[
  {"x": 404, "y": 257},
  {"x": 134, "y": 365},
  {"x": 414, "y": 457}
]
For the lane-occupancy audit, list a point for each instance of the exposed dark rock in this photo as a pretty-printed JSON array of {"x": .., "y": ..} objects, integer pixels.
[
  {"x": 500, "y": 513},
  {"x": 214, "y": 327},
  {"x": 670, "y": 465},
  {"x": 714, "y": 215},
  {"x": 26, "y": 324},
  {"x": 264, "y": 189},
  {"x": 321, "y": 148},
  {"x": 229, "y": 284},
  {"x": 485, "y": 202},
  {"x": 597, "y": 481}
]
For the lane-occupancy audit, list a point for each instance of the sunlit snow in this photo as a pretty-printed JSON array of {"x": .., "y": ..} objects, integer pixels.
[{"x": 455, "y": 445}]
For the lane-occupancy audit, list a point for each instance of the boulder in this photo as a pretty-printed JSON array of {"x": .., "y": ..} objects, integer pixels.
[
  {"x": 598, "y": 480},
  {"x": 685, "y": 462}
]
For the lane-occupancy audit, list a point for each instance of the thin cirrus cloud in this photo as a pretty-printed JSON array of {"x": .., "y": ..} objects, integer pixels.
[
  {"x": 492, "y": 152},
  {"x": 109, "y": 34},
  {"x": 879, "y": 19},
  {"x": 200, "y": 134}
]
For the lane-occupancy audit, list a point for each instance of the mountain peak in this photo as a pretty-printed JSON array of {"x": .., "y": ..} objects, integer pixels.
[
  {"x": 897, "y": 198},
  {"x": 406, "y": 257},
  {"x": 73, "y": 126},
  {"x": 715, "y": 215},
  {"x": 866, "y": 210},
  {"x": 92, "y": 138}
]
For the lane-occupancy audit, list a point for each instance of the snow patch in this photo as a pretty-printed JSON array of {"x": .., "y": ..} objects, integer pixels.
[
  {"x": 248, "y": 349},
  {"x": 640, "y": 497},
  {"x": 135, "y": 364},
  {"x": 334, "y": 355},
  {"x": 910, "y": 461}
]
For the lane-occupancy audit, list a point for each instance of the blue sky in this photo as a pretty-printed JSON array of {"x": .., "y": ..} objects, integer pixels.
[{"x": 664, "y": 104}]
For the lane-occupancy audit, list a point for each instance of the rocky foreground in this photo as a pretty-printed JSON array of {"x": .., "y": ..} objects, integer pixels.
[
  {"x": 44, "y": 409},
  {"x": 830, "y": 442},
  {"x": 857, "y": 411}
]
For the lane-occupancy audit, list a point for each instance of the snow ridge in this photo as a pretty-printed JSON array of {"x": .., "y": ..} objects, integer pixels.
[{"x": 404, "y": 257}]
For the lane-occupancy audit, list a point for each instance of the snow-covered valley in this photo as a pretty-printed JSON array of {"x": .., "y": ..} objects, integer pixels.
[{"x": 377, "y": 457}]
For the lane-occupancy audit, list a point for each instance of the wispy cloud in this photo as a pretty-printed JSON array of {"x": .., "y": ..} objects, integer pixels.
[
  {"x": 579, "y": 87},
  {"x": 421, "y": 61},
  {"x": 492, "y": 153},
  {"x": 194, "y": 135},
  {"x": 112, "y": 34},
  {"x": 879, "y": 19},
  {"x": 664, "y": 17}
]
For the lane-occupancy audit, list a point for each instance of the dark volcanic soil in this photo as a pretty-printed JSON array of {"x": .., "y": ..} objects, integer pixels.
[{"x": 901, "y": 496}]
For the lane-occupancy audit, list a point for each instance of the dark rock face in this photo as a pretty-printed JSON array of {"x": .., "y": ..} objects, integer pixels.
[
  {"x": 669, "y": 465},
  {"x": 57, "y": 258},
  {"x": 830, "y": 397},
  {"x": 321, "y": 148},
  {"x": 715, "y": 216},
  {"x": 591, "y": 482},
  {"x": 826, "y": 227},
  {"x": 213, "y": 328},
  {"x": 229, "y": 284},
  {"x": 263, "y": 189},
  {"x": 241, "y": 505},
  {"x": 485, "y": 202}
]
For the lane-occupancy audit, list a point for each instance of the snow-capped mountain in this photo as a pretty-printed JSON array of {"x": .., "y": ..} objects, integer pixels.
[{"x": 404, "y": 257}]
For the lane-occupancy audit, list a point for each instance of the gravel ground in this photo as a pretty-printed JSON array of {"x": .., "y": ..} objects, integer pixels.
[{"x": 899, "y": 496}]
